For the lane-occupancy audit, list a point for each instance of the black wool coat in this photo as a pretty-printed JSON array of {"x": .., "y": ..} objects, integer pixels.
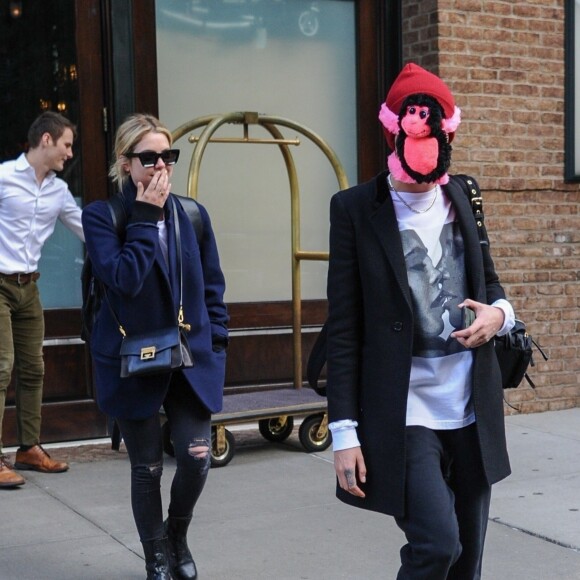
[{"x": 370, "y": 338}]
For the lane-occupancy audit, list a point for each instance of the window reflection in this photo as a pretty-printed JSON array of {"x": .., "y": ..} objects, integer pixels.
[
  {"x": 255, "y": 18},
  {"x": 289, "y": 58}
]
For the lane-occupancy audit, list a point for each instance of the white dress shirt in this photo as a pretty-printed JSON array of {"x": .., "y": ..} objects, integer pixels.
[{"x": 28, "y": 214}]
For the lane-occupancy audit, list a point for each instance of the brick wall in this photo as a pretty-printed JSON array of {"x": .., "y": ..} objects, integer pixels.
[{"x": 504, "y": 62}]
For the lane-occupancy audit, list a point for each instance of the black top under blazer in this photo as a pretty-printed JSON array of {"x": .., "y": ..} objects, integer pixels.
[
  {"x": 144, "y": 294},
  {"x": 370, "y": 338}
]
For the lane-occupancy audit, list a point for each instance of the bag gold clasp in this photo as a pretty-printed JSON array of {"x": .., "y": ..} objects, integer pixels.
[{"x": 148, "y": 352}]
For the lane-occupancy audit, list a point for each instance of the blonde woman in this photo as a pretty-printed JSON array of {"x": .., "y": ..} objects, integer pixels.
[{"x": 139, "y": 271}]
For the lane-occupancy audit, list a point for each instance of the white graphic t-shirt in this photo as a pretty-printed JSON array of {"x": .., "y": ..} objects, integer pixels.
[{"x": 440, "y": 383}]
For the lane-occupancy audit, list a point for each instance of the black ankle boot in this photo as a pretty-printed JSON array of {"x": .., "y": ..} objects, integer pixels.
[
  {"x": 156, "y": 559},
  {"x": 180, "y": 560}
]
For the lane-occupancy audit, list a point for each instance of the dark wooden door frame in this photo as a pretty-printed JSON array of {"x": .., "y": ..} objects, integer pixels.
[
  {"x": 379, "y": 57},
  {"x": 69, "y": 409}
]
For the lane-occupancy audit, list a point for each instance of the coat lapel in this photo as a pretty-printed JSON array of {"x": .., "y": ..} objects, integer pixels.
[{"x": 384, "y": 222}]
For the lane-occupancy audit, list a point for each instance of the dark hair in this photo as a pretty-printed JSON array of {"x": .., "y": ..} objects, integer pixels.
[{"x": 49, "y": 122}]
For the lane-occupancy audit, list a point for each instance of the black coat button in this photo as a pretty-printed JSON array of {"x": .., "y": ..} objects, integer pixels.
[{"x": 398, "y": 326}]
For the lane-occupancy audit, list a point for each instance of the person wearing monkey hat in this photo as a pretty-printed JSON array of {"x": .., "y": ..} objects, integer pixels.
[{"x": 415, "y": 397}]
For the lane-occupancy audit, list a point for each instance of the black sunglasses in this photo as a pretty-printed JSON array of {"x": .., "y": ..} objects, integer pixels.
[{"x": 149, "y": 158}]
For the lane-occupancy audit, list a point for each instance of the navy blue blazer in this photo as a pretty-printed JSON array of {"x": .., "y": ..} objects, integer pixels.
[{"x": 144, "y": 294}]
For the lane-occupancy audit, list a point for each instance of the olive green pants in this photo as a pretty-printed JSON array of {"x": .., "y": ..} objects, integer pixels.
[{"x": 21, "y": 338}]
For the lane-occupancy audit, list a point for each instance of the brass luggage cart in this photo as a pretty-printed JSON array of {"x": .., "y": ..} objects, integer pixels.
[{"x": 274, "y": 409}]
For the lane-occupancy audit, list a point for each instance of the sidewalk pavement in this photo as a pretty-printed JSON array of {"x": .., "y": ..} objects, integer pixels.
[{"x": 271, "y": 513}]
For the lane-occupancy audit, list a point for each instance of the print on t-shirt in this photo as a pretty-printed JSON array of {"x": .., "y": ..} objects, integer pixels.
[{"x": 436, "y": 274}]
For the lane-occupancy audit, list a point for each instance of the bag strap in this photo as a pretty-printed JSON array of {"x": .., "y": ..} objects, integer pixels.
[
  {"x": 191, "y": 208},
  {"x": 119, "y": 217},
  {"x": 118, "y": 213},
  {"x": 471, "y": 188},
  {"x": 177, "y": 231}
]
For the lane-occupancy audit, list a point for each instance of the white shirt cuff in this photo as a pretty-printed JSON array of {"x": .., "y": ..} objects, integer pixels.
[
  {"x": 509, "y": 316},
  {"x": 344, "y": 434}
]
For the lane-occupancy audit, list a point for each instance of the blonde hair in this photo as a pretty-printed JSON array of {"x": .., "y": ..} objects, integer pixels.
[{"x": 129, "y": 133}]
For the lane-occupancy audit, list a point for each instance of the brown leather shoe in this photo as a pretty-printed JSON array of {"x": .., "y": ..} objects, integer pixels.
[
  {"x": 37, "y": 459},
  {"x": 9, "y": 478}
]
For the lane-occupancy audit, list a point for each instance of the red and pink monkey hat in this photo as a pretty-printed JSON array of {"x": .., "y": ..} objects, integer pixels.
[{"x": 419, "y": 119}]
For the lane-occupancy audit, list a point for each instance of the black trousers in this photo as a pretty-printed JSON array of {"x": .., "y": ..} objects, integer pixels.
[
  {"x": 190, "y": 426},
  {"x": 447, "y": 506}
]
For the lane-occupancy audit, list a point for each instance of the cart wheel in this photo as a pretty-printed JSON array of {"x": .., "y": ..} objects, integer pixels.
[
  {"x": 167, "y": 443},
  {"x": 313, "y": 435},
  {"x": 276, "y": 429},
  {"x": 223, "y": 457}
]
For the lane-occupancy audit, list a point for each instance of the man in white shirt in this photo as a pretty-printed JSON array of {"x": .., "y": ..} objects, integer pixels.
[
  {"x": 32, "y": 199},
  {"x": 415, "y": 399}
]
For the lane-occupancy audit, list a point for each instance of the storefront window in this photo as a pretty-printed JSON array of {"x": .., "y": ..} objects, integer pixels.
[
  {"x": 293, "y": 59},
  {"x": 38, "y": 72}
]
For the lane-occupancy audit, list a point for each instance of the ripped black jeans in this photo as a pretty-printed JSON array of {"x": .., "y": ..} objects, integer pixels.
[{"x": 190, "y": 426}]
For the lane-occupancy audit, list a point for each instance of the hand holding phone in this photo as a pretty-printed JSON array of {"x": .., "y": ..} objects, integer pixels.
[{"x": 467, "y": 317}]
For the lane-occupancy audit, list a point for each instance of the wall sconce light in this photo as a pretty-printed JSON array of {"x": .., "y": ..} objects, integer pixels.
[{"x": 15, "y": 9}]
